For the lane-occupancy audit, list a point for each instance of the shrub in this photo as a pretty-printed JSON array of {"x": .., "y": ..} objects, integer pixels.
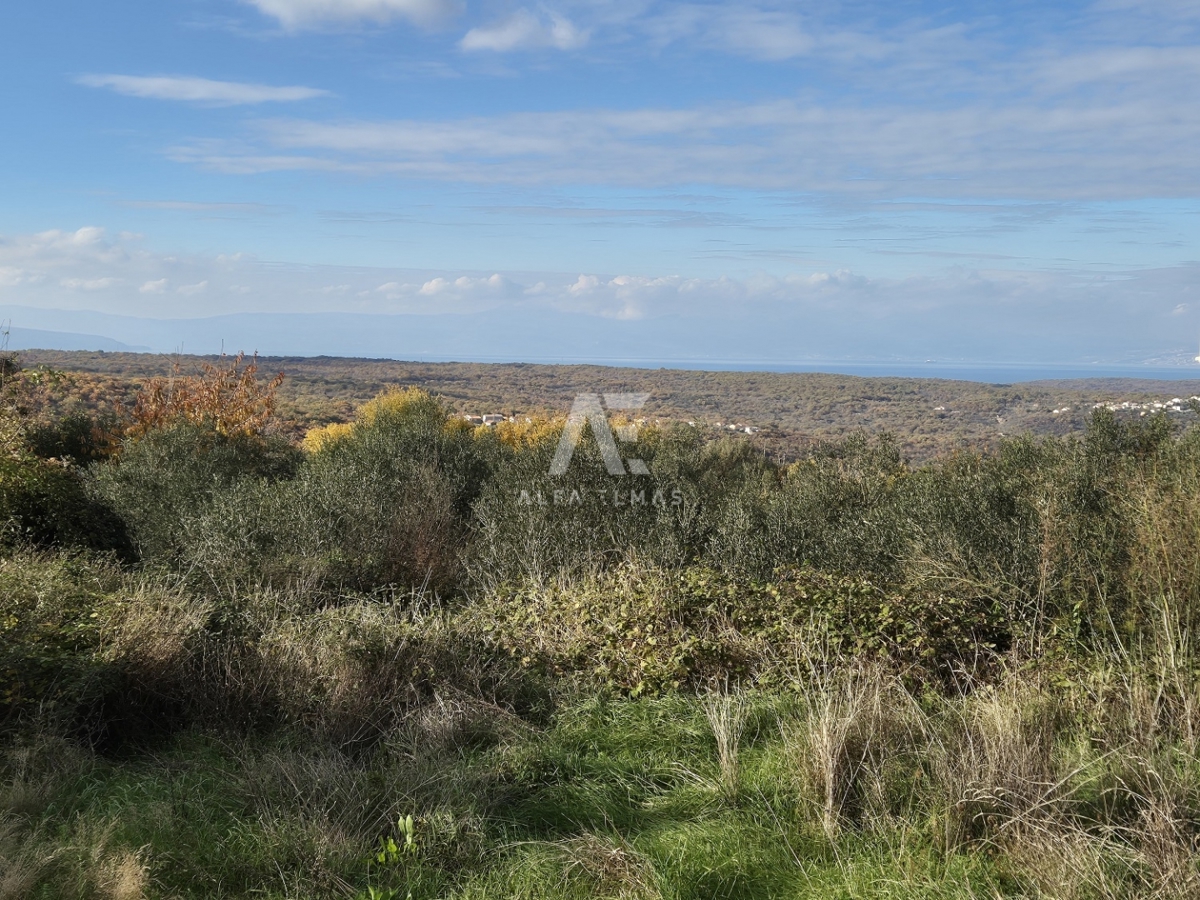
[
  {"x": 162, "y": 484},
  {"x": 77, "y": 437},
  {"x": 188, "y": 440},
  {"x": 389, "y": 501},
  {"x": 530, "y": 525},
  {"x": 841, "y": 509},
  {"x": 319, "y": 437},
  {"x": 974, "y": 525},
  {"x": 643, "y": 630},
  {"x": 46, "y": 504}
]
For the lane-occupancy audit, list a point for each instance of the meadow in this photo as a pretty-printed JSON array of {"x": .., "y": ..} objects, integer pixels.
[{"x": 238, "y": 663}]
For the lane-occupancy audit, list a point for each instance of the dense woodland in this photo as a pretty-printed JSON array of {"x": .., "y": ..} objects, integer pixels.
[{"x": 321, "y": 637}]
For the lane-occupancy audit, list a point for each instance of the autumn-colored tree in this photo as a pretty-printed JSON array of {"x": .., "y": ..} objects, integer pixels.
[
  {"x": 228, "y": 397},
  {"x": 521, "y": 435},
  {"x": 394, "y": 404}
]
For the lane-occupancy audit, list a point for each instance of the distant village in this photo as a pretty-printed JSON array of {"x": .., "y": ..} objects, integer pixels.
[
  {"x": 1175, "y": 404},
  {"x": 489, "y": 419}
]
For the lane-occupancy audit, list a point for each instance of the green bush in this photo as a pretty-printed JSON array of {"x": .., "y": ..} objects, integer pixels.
[
  {"x": 841, "y": 509},
  {"x": 46, "y": 504},
  {"x": 388, "y": 504},
  {"x": 78, "y": 437},
  {"x": 162, "y": 484},
  {"x": 701, "y": 502},
  {"x": 1050, "y": 534},
  {"x": 651, "y": 630}
]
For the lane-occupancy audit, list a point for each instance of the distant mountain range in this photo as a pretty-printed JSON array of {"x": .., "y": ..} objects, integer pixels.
[{"x": 37, "y": 338}]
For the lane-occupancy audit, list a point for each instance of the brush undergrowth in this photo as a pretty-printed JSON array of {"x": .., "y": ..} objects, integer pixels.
[
  {"x": 279, "y": 753},
  {"x": 365, "y": 669}
]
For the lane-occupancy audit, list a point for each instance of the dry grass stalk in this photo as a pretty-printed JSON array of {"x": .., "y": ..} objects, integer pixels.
[
  {"x": 727, "y": 715},
  {"x": 122, "y": 876},
  {"x": 853, "y": 724},
  {"x": 997, "y": 766},
  {"x": 612, "y": 867},
  {"x": 22, "y": 864}
]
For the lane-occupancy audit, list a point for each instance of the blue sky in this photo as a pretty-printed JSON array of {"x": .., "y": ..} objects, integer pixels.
[{"x": 967, "y": 181}]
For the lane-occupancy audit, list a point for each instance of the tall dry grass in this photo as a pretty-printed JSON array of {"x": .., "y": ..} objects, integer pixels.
[
  {"x": 727, "y": 714},
  {"x": 1086, "y": 786}
]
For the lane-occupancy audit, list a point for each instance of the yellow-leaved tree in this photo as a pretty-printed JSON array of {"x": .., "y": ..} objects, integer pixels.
[{"x": 228, "y": 397}]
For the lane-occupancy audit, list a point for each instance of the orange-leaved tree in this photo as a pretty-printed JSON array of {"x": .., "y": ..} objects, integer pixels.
[{"x": 228, "y": 397}]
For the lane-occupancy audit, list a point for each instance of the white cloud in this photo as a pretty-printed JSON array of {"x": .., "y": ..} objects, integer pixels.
[
  {"x": 294, "y": 14},
  {"x": 88, "y": 284},
  {"x": 585, "y": 284},
  {"x": 524, "y": 30},
  {"x": 70, "y": 259},
  {"x": 634, "y": 296},
  {"x": 631, "y": 296},
  {"x": 948, "y": 104},
  {"x": 1102, "y": 148},
  {"x": 88, "y": 236},
  {"x": 393, "y": 290},
  {"x": 842, "y": 277},
  {"x": 740, "y": 29},
  {"x": 769, "y": 36},
  {"x": 824, "y": 310},
  {"x": 470, "y": 288},
  {"x": 11, "y": 276},
  {"x": 435, "y": 286},
  {"x": 153, "y": 287},
  {"x": 199, "y": 90},
  {"x": 464, "y": 284}
]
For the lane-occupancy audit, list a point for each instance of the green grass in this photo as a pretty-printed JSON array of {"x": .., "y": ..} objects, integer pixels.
[{"x": 615, "y": 797}]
